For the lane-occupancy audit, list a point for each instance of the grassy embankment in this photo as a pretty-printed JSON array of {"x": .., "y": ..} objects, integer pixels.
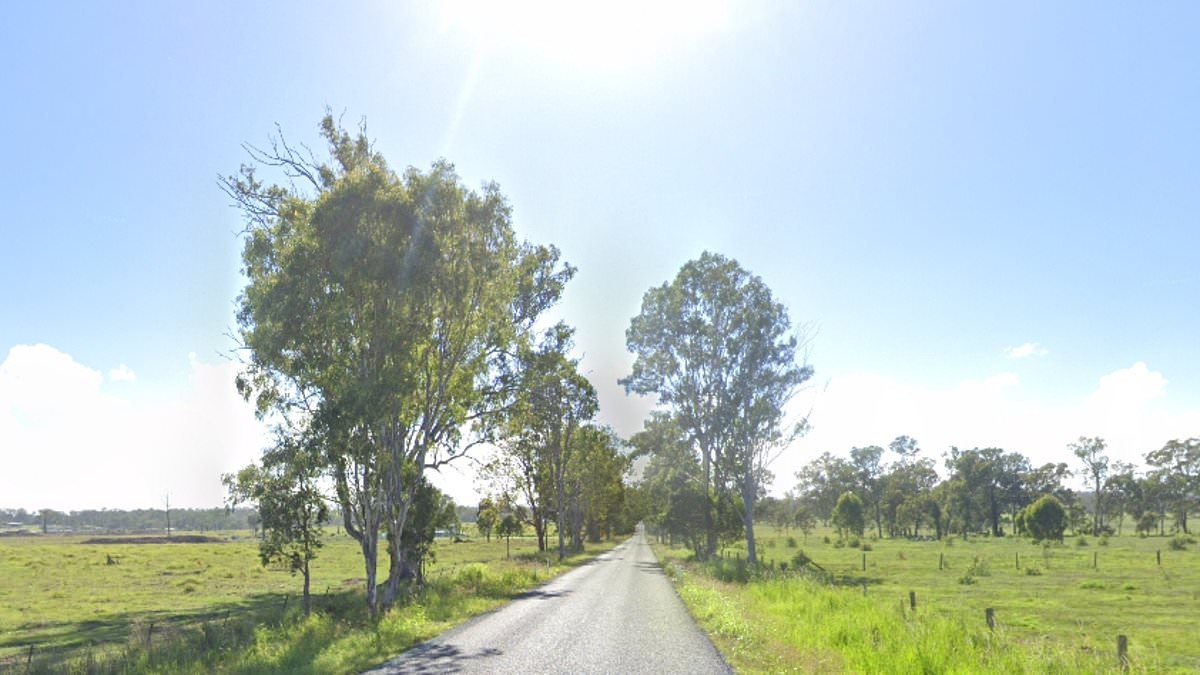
[
  {"x": 1057, "y": 608},
  {"x": 211, "y": 607}
]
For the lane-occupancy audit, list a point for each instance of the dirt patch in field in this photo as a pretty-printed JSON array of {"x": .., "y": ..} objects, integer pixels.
[{"x": 178, "y": 539}]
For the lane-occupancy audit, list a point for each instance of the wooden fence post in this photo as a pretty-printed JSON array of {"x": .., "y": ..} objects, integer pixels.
[
  {"x": 1158, "y": 557},
  {"x": 990, "y": 615},
  {"x": 1018, "y": 558},
  {"x": 1095, "y": 559},
  {"x": 912, "y": 600},
  {"x": 1123, "y": 651},
  {"x": 864, "y": 562},
  {"x": 29, "y": 660}
]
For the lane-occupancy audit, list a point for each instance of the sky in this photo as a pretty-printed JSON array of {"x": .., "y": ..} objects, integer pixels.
[{"x": 983, "y": 215}]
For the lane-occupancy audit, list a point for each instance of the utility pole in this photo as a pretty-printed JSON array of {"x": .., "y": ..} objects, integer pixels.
[{"x": 168, "y": 505}]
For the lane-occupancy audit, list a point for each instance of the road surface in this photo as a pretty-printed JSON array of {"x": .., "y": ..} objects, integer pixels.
[{"x": 617, "y": 614}]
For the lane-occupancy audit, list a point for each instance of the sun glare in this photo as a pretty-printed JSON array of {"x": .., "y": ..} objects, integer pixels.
[{"x": 615, "y": 34}]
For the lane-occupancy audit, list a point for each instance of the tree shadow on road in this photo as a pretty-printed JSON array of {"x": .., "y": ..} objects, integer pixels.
[
  {"x": 650, "y": 567},
  {"x": 541, "y": 594},
  {"x": 433, "y": 658}
]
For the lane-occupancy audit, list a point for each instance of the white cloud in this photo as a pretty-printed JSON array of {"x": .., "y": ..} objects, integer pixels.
[
  {"x": 68, "y": 443},
  {"x": 1026, "y": 350},
  {"x": 38, "y": 383},
  {"x": 1134, "y": 386},
  {"x": 122, "y": 373}
]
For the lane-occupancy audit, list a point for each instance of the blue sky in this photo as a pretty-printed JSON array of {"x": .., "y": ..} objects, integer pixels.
[{"x": 927, "y": 184}]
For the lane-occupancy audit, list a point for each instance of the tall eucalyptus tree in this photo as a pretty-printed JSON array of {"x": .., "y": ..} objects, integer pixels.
[
  {"x": 378, "y": 309},
  {"x": 717, "y": 349}
]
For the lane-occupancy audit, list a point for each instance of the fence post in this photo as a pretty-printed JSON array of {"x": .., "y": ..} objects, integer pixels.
[
  {"x": 29, "y": 660},
  {"x": 1123, "y": 651},
  {"x": 912, "y": 600},
  {"x": 864, "y": 562},
  {"x": 864, "y": 588},
  {"x": 941, "y": 561},
  {"x": 990, "y": 615},
  {"x": 1095, "y": 559},
  {"x": 1018, "y": 558},
  {"x": 1158, "y": 557}
]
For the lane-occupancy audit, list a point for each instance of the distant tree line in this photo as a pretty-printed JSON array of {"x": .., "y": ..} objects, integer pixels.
[
  {"x": 136, "y": 520},
  {"x": 988, "y": 490}
]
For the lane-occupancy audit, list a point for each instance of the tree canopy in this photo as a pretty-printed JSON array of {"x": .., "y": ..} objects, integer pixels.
[
  {"x": 718, "y": 351},
  {"x": 378, "y": 312}
]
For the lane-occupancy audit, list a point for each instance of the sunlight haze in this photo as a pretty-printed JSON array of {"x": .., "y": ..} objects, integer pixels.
[{"x": 984, "y": 214}]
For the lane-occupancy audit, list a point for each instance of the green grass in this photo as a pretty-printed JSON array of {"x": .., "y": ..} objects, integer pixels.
[
  {"x": 1055, "y": 613},
  {"x": 197, "y": 608}
]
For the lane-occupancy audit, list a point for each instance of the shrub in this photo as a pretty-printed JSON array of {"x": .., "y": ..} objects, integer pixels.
[
  {"x": 1033, "y": 572},
  {"x": 866, "y": 546},
  {"x": 791, "y": 542},
  {"x": 825, "y": 539},
  {"x": 1046, "y": 518},
  {"x": 800, "y": 560},
  {"x": 1103, "y": 541},
  {"x": 839, "y": 544},
  {"x": 1081, "y": 541},
  {"x": 855, "y": 542},
  {"x": 1146, "y": 524},
  {"x": 1178, "y": 543},
  {"x": 979, "y": 568},
  {"x": 727, "y": 570}
]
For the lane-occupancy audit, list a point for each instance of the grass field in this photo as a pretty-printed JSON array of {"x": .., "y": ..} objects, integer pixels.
[
  {"x": 205, "y": 607},
  {"x": 1058, "y": 608}
]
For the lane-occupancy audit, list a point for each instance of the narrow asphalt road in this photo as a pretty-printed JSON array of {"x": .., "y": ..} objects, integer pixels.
[{"x": 617, "y": 614}]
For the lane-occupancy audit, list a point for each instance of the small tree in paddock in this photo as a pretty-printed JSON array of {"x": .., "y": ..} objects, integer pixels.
[
  {"x": 290, "y": 506},
  {"x": 848, "y": 515},
  {"x": 805, "y": 520},
  {"x": 485, "y": 521},
  {"x": 509, "y": 527}
]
